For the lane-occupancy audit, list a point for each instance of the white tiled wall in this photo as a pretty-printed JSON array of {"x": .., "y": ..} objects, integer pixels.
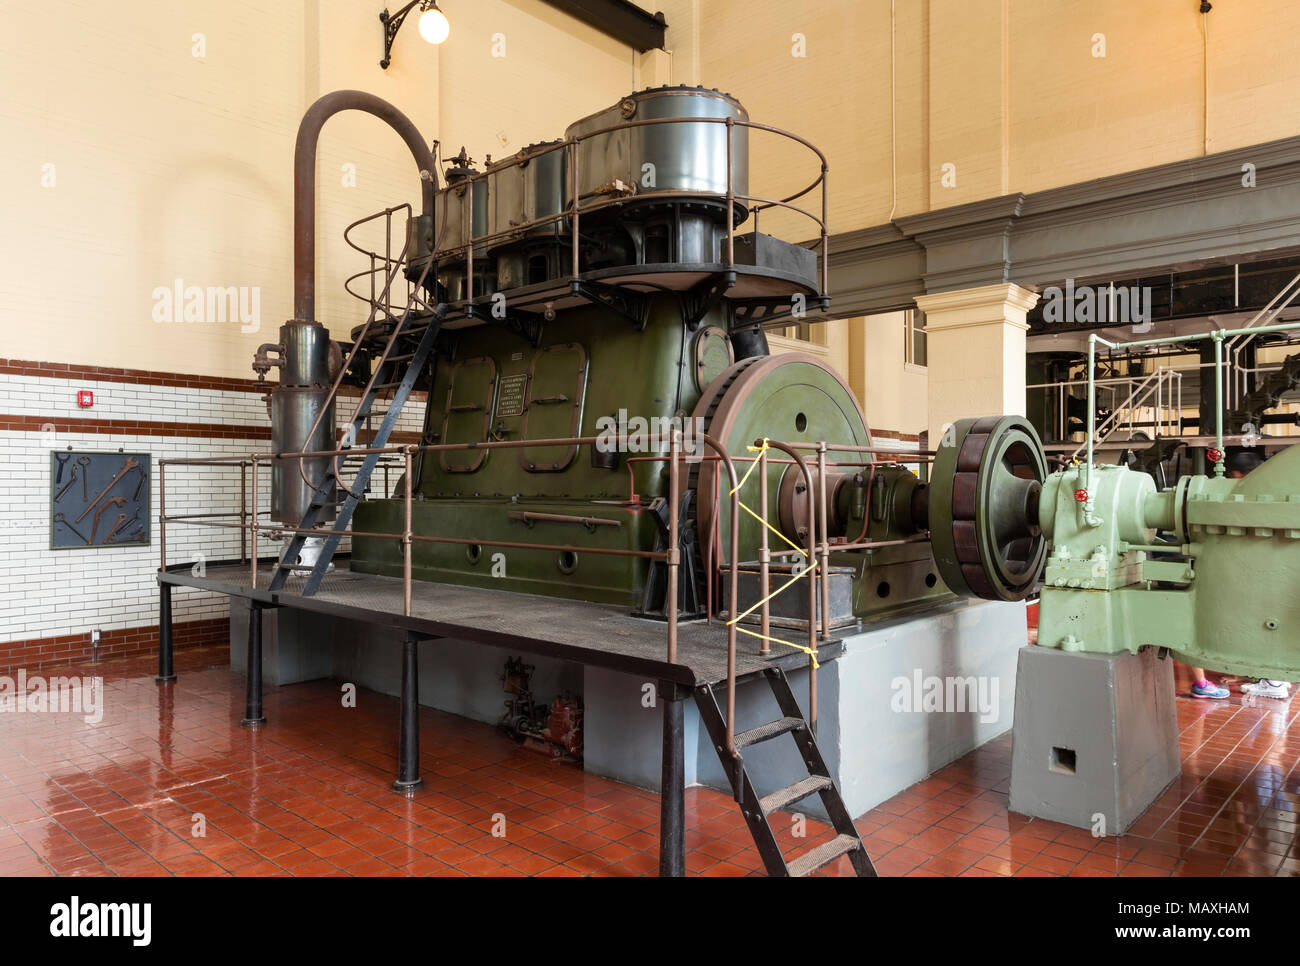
[{"x": 47, "y": 593}]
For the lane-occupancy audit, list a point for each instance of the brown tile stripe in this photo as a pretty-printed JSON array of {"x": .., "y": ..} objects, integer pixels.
[
  {"x": 139, "y": 427},
  {"x": 132, "y": 427},
  {"x": 148, "y": 377},
  {"x": 36, "y": 653},
  {"x": 894, "y": 434}
]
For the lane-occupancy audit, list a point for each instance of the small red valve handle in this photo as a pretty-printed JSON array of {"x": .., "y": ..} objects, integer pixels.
[
  {"x": 1215, "y": 455},
  {"x": 1081, "y": 496}
]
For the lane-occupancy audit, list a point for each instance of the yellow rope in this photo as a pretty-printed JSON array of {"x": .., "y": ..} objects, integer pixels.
[
  {"x": 798, "y": 550},
  {"x": 812, "y": 654},
  {"x": 791, "y": 581},
  {"x": 743, "y": 480},
  {"x": 806, "y": 572}
]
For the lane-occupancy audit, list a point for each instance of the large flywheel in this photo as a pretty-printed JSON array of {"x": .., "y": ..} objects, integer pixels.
[
  {"x": 791, "y": 397},
  {"x": 984, "y": 491}
]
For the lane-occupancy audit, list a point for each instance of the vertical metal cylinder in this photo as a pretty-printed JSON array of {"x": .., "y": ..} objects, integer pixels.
[
  {"x": 253, "y": 695},
  {"x": 165, "y": 671},
  {"x": 408, "y": 742},
  {"x": 672, "y": 787}
]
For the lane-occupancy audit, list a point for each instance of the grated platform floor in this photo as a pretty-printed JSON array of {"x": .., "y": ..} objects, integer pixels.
[{"x": 601, "y": 635}]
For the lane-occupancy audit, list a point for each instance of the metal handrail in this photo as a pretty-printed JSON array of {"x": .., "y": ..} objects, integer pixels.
[
  {"x": 1263, "y": 317},
  {"x": 576, "y": 205},
  {"x": 246, "y": 521}
]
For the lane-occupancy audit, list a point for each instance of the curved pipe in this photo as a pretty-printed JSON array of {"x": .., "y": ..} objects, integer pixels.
[{"x": 304, "y": 181}]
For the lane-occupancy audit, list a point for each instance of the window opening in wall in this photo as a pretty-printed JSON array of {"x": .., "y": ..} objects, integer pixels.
[
  {"x": 914, "y": 337},
  {"x": 800, "y": 330}
]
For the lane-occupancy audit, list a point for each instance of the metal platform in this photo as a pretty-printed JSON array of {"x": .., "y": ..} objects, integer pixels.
[
  {"x": 591, "y": 634},
  {"x": 599, "y": 635}
]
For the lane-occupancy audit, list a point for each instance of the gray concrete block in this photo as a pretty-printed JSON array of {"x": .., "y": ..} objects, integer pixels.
[
  {"x": 1096, "y": 736},
  {"x": 295, "y": 643}
]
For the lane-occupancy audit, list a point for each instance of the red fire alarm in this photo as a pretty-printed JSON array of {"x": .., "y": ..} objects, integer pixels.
[{"x": 85, "y": 398}]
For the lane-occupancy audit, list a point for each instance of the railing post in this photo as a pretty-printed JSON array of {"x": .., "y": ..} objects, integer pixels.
[
  {"x": 674, "y": 557},
  {"x": 253, "y": 529},
  {"x": 764, "y": 558},
  {"x": 243, "y": 510},
  {"x": 1218, "y": 401},
  {"x": 406, "y": 536},
  {"x": 573, "y": 191},
  {"x": 823, "y": 577},
  {"x": 162, "y": 516},
  {"x": 826, "y": 246},
  {"x": 731, "y": 197}
]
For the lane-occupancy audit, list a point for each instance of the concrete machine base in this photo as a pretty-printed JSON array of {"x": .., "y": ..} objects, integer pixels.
[
  {"x": 908, "y": 696},
  {"x": 1096, "y": 736}
]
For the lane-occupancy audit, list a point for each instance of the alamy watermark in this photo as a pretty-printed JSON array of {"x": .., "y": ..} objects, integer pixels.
[
  {"x": 1099, "y": 305},
  {"x": 638, "y": 434},
  {"x": 36, "y": 694},
  {"x": 920, "y": 693},
  {"x": 179, "y": 302}
]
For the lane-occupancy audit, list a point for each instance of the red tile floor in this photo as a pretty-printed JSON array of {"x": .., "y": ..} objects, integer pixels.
[{"x": 309, "y": 795}]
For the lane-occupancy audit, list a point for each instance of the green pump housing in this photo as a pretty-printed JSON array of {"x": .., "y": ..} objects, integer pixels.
[{"x": 1208, "y": 569}]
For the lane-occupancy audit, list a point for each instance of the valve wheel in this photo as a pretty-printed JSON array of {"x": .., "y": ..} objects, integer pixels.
[{"x": 984, "y": 508}]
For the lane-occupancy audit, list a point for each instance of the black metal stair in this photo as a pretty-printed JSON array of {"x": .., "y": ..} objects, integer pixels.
[
  {"x": 757, "y": 809},
  {"x": 410, "y": 364}
]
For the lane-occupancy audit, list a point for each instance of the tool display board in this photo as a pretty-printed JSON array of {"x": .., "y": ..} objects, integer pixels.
[{"x": 99, "y": 499}]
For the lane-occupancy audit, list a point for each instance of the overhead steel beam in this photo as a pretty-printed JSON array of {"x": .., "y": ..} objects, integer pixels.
[{"x": 624, "y": 21}]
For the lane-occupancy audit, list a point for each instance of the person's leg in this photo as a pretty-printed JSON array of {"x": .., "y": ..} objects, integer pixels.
[{"x": 1203, "y": 687}]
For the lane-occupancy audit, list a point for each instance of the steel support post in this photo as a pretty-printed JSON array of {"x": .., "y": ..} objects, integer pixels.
[
  {"x": 672, "y": 789},
  {"x": 408, "y": 741},
  {"x": 253, "y": 717},
  {"x": 165, "y": 672}
]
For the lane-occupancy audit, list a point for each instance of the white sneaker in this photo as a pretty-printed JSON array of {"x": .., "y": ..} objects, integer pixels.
[{"x": 1264, "y": 688}]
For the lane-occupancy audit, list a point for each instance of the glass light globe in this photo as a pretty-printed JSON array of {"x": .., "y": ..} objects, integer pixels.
[{"x": 434, "y": 26}]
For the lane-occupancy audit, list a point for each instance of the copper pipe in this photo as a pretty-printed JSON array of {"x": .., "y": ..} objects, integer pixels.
[
  {"x": 812, "y": 586},
  {"x": 276, "y": 528},
  {"x": 573, "y": 193},
  {"x": 528, "y": 516},
  {"x": 921, "y": 537},
  {"x": 764, "y": 560},
  {"x": 674, "y": 556},
  {"x": 734, "y": 605},
  {"x": 866, "y": 506},
  {"x": 823, "y": 580},
  {"x": 826, "y": 238},
  {"x": 243, "y": 511},
  {"x": 731, "y": 200},
  {"x": 162, "y": 515},
  {"x": 406, "y": 541},
  {"x": 253, "y": 529},
  {"x": 304, "y": 181}
]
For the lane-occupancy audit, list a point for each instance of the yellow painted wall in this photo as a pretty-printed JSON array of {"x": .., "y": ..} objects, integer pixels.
[
  {"x": 1008, "y": 92},
  {"x": 169, "y": 165}
]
